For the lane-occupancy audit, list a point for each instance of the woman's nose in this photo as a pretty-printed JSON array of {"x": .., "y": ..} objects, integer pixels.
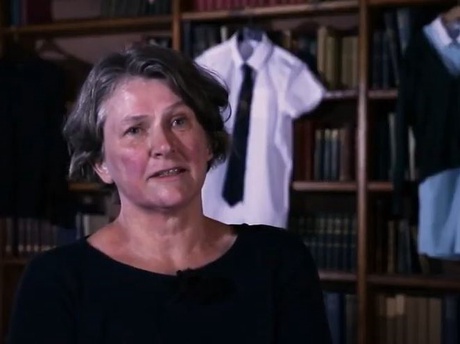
[{"x": 161, "y": 142}]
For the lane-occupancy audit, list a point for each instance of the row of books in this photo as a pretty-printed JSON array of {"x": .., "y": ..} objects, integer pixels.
[
  {"x": 333, "y": 153},
  {"x": 330, "y": 237},
  {"x": 134, "y": 8},
  {"x": 26, "y": 237},
  {"x": 26, "y": 12},
  {"x": 337, "y": 58},
  {"x": 341, "y": 310},
  {"x": 405, "y": 319},
  {"x": 329, "y": 150},
  {"x": 396, "y": 240},
  {"x": 384, "y": 150},
  {"x": 396, "y": 248}
]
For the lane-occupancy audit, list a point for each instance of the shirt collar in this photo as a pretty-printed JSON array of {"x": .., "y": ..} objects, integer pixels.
[{"x": 258, "y": 57}]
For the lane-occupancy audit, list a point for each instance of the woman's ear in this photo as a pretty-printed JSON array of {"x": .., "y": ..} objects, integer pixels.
[
  {"x": 103, "y": 172},
  {"x": 209, "y": 151}
]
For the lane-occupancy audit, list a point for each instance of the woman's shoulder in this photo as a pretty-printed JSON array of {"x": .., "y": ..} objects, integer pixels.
[
  {"x": 269, "y": 234},
  {"x": 275, "y": 247},
  {"x": 271, "y": 238},
  {"x": 62, "y": 259}
]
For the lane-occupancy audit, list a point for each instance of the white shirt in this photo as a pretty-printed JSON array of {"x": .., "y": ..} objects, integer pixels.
[{"x": 284, "y": 88}]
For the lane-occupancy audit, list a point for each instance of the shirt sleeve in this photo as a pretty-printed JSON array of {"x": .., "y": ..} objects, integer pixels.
[
  {"x": 301, "y": 316},
  {"x": 42, "y": 311},
  {"x": 304, "y": 91}
]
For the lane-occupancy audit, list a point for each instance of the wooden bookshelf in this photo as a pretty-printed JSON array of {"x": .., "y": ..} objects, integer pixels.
[
  {"x": 14, "y": 262},
  {"x": 273, "y": 11},
  {"x": 86, "y": 187},
  {"x": 90, "y": 26},
  {"x": 390, "y": 94},
  {"x": 364, "y": 281},
  {"x": 383, "y": 94},
  {"x": 428, "y": 283},
  {"x": 380, "y": 186},
  {"x": 341, "y": 95},
  {"x": 337, "y": 277},
  {"x": 329, "y": 186},
  {"x": 318, "y": 186},
  {"x": 404, "y": 2}
]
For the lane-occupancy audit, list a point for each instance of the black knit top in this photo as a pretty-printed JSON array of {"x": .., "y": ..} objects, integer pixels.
[{"x": 265, "y": 289}]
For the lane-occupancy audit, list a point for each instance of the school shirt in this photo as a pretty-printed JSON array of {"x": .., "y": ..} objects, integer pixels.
[
  {"x": 264, "y": 290},
  {"x": 439, "y": 194},
  {"x": 284, "y": 89}
]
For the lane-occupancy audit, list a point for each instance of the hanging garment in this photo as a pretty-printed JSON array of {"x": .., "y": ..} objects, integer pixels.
[
  {"x": 429, "y": 103},
  {"x": 284, "y": 89},
  {"x": 34, "y": 156}
]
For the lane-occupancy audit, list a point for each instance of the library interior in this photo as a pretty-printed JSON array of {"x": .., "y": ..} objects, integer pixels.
[{"x": 326, "y": 114}]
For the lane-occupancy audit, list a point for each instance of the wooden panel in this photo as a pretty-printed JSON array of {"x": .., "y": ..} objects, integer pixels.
[
  {"x": 405, "y": 2},
  {"x": 341, "y": 95},
  {"x": 318, "y": 186},
  {"x": 337, "y": 276},
  {"x": 383, "y": 94},
  {"x": 324, "y": 186},
  {"x": 94, "y": 26},
  {"x": 365, "y": 324},
  {"x": 85, "y": 187},
  {"x": 417, "y": 282},
  {"x": 273, "y": 11}
]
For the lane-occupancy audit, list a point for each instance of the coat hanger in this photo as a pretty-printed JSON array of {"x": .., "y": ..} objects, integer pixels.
[
  {"x": 250, "y": 32},
  {"x": 49, "y": 46}
]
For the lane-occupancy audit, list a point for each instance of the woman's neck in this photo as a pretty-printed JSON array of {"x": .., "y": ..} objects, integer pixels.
[{"x": 171, "y": 235}]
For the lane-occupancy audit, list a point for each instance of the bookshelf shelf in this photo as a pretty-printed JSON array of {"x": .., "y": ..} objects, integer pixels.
[
  {"x": 82, "y": 27},
  {"x": 272, "y": 11},
  {"x": 415, "y": 282},
  {"x": 341, "y": 95},
  {"x": 380, "y": 186},
  {"x": 337, "y": 277},
  {"x": 320, "y": 186},
  {"x": 14, "y": 262},
  {"x": 383, "y": 94},
  {"x": 401, "y": 2},
  {"x": 326, "y": 186},
  {"x": 85, "y": 187},
  {"x": 391, "y": 94}
]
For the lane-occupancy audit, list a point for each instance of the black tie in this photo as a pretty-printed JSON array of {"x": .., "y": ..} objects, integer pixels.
[{"x": 234, "y": 180}]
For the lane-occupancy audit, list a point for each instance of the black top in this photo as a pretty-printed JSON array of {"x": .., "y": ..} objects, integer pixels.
[
  {"x": 265, "y": 289},
  {"x": 429, "y": 103}
]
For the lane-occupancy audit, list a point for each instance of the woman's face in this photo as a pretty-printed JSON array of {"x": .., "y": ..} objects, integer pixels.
[{"x": 155, "y": 151}]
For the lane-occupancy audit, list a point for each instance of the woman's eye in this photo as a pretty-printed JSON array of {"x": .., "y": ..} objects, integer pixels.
[
  {"x": 133, "y": 131},
  {"x": 179, "y": 122}
]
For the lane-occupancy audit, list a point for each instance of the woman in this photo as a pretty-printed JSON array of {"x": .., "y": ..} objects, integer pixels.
[{"x": 148, "y": 121}]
